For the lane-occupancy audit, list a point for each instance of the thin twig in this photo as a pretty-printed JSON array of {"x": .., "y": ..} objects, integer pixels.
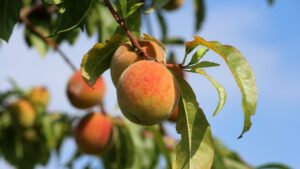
[
  {"x": 24, "y": 14},
  {"x": 121, "y": 22}
]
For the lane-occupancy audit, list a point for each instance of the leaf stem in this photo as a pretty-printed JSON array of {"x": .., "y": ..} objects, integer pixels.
[
  {"x": 121, "y": 22},
  {"x": 24, "y": 16}
]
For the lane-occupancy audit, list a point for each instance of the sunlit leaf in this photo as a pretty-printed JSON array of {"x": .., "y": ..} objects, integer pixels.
[
  {"x": 220, "y": 89},
  {"x": 195, "y": 149},
  {"x": 241, "y": 71},
  {"x": 133, "y": 9},
  {"x": 198, "y": 56},
  {"x": 97, "y": 59},
  {"x": 204, "y": 64}
]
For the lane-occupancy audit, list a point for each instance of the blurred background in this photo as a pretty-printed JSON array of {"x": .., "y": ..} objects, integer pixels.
[{"x": 269, "y": 38}]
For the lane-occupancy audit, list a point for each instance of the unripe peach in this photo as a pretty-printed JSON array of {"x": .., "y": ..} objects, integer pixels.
[
  {"x": 94, "y": 133},
  {"x": 83, "y": 96},
  {"x": 23, "y": 112},
  {"x": 39, "y": 96},
  {"x": 173, "y": 4},
  {"x": 147, "y": 92},
  {"x": 125, "y": 55}
]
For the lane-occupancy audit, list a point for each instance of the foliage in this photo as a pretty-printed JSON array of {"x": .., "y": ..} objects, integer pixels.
[{"x": 51, "y": 22}]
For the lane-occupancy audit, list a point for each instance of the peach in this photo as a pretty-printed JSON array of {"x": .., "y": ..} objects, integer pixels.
[
  {"x": 83, "y": 96},
  {"x": 147, "y": 93},
  {"x": 24, "y": 113},
  {"x": 125, "y": 55},
  {"x": 39, "y": 96},
  {"x": 173, "y": 4},
  {"x": 94, "y": 133}
]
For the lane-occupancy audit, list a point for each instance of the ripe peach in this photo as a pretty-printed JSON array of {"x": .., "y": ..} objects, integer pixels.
[
  {"x": 174, "y": 115},
  {"x": 173, "y": 4},
  {"x": 39, "y": 96},
  {"x": 94, "y": 133},
  {"x": 177, "y": 70},
  {"x": 83, "y": 96},
  {"x": 125, "y": 55},
  {"x": 23, "y": 112},
  {"x": 147, "y": 92}
]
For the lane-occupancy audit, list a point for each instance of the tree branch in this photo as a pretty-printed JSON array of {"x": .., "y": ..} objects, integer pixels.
[
  {"x": 24, "y": 16},
  {"x": 121, "y": 22}
]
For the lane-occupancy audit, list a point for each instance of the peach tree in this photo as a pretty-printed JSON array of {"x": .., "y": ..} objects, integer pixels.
[{"x": 151, "y": 88}]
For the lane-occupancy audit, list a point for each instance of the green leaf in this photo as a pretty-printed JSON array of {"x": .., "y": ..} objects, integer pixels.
[
  {"x": 9, "y": 16},
  {"x": 134, "y": 8},
  {"x": 204, "y": 64},
  {"x": 173, "y": 41},
  {"x": 35, "y": 41},
  {"x": 75, "y": 12},
  {"x": 158, "y": 137},
  {"x": 220, "y": 89},
  {"x": 133, "y": 22},
  {"x": 242, "y": 73},
  {"x": 123, "y": 6},
  {"x": 163, "y": 25},
  {"x": 227, "y": 159},
  {"x": 273, "y": 166},
  {"x": 97, "y": 59},
  {"x": 198, "y": 56},
  {"x": 199, "y": 7},
  {"x": 195, "y": 149}
]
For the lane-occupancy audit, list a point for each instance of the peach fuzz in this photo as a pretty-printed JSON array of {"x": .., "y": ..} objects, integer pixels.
[
  {"x": 147, "y": 93},
  {"x": 125, "y": 55},
  {"x": 83, "y": 96},
  {"x": 93, "y": 133}
]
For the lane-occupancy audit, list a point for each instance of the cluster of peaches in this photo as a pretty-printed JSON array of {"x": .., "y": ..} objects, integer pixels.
[{"x": 147, "y": 94}]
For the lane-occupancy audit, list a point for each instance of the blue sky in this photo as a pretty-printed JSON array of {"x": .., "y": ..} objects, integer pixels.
[{"x": 269, "y": 37}]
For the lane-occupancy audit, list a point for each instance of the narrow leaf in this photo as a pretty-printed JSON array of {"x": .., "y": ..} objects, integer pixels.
[
  {"x": 199, "y": 7},
  {"x": 97, "y": 59},
  {"x": 163, "y": 25},
  {"x": 123, "y": 5},
  {"x": 220, "y": 89},
  {"x": 195, "y": 149},
  {"x": 273, "y": 166},
  {"x": 242, "y": 73},
  {"x": 134, "y": 8},
  {"x": 9, "y": 16},
  {"x": 204, "y": 64},
  {"x": 198, "y": 56}
]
